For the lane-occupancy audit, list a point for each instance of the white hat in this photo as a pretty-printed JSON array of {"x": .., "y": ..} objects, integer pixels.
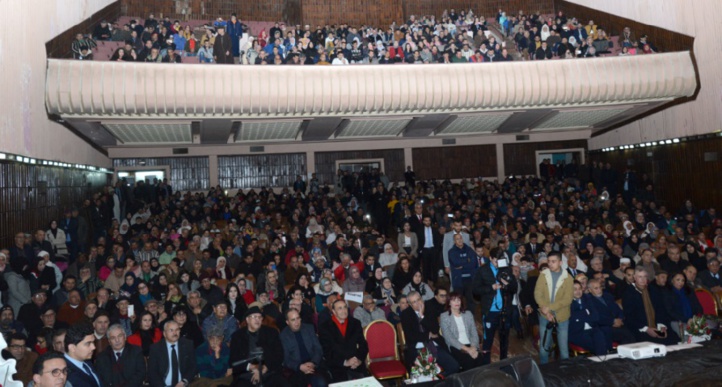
[
  {"x": 625, "y": 260},
  {"x": 43, "y": 253}
]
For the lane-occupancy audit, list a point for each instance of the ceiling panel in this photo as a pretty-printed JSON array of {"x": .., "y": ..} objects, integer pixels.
[
  {"x": 152, "y": 133},
  {"x": 485, "y": 123},
  {"x": 269, "y": 131},
  {"x": 373, "y": 128},
  {"x": 578, "y": 118}
]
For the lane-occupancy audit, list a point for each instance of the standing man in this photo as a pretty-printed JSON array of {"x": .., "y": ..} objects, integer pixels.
[
  {"x": 222, "y": 48},
  {"x": 246, "y": 346},
  {"x": 172, "y": 361},
  {"x": 410, "y": 177},
  {"x": 235, "y": 31},
  {"x": 463, "y": 264},
  {"x": 344, "y": 345},
  {"x": 553, "y": 293},
  {"x": 496, "y": 306},
  {"x": 449, "y": 242},
  {"x": 429, "y": 241},
  {"x": 79, "y": 349},
  {"x": 120, "y": 365}
]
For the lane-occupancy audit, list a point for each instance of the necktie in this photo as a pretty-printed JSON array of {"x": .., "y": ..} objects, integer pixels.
[
  {"x": 88, "y": 371},
  {"x": 117, "y": 356},
  {"x": 173, "y": 365}
]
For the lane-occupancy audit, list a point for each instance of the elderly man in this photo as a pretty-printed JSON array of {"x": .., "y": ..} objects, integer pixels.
[
  {"x": 120, "y": 364},
  {"x": 302, "y": 352},
  {"x": 212, "y": 360},
  {"x": 712, "y": 278},
  {"x": 17, "y": 345},
  {"x": 369, "y": 312},
  {"x": 246, "y": 346},
  {"x": 220, "y": 319},
  {"x": 344, "y": 345},
  {"x": 71, "y": 312},
  {"x": 611, "y": 316},
  {"x": 644, "y": 312},
  {"x": 172, "y": 361},
  {"x": 100, "y": 321}
]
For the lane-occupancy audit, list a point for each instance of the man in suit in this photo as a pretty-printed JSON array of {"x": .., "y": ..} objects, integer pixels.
[
  {"x": 417, "y": 328},
  {"x": 711, "y": 278},
  {"x": 302, "y": 352},
  {"x": 171, "y": 361},
  {"x": 250, "y": 343},
  {"x": 120, "y": 365},
  {"x": 344, "y": 345},
  {"x": 644, "y": 312},
  {"x": 533, "y": 248},
  {"x": 496, "y": 306},
  {"x": 417, "y": 220},
  {"x": 429, "y": 243},
  {"x": 50, "y": 370},
  {"x": 79, "y": 347},
  {"x": 611, "y": 316},
  {"x": 449, "y": 242},
  {"x": 101, "y": 320},
  {"x": 572, "y": 268}
]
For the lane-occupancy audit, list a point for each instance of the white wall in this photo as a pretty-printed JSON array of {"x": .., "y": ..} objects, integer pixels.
[
  {"x": 25, "y": 27},
  {"x": 697, "y": 18}
]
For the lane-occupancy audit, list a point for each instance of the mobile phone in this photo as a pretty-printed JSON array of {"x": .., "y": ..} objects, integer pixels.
[
  {"x": 131, "y": 310},
  {"x": 450, "y": 215}
]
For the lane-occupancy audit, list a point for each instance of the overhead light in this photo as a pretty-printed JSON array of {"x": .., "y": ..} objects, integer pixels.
[
  {"x": 654, "y": 143},
  {"x": 32, "y": 161},
  {"x": 676, "y": 140},
  {"x": 3, "y": 156},
  {"x": 667, "y": 142}
]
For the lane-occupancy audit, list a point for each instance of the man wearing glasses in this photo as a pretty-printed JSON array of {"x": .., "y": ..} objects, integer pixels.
[
  {"x": 256, "y": 353},
  {"x": 25, "y": 359},
  {"x": 50, "y": 370}
]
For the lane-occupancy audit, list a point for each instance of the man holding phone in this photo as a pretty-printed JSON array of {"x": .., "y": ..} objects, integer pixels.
[{"x": 553, "y": 293}]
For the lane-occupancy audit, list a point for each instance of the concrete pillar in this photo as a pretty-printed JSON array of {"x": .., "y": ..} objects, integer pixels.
[
  {"x": 310, "y": 163},
  {"x": 408, "y": 158},
  {"x": 500, "y": 172},
  {"x": 213, "y": 170}
]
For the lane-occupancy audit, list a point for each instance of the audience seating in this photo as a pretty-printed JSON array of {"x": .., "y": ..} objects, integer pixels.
[
  {"x": 383, "y": 360},
  {"x": 707, "y": 300}
]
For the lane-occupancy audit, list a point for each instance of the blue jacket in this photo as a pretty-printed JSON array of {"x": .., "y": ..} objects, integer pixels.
[
  {"x": 607, "y": 313},
  {"x": 583, "y": 312},
  {"x": 463, "y": 264}
]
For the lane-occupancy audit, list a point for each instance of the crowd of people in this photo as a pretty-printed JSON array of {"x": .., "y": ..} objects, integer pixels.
[
  {"x": 148, "y": 284},
  {"x": 461, "y": 37}
]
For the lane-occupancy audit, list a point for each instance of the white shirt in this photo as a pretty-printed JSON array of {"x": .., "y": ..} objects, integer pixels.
[
  {"x": 463, "y": 338},
  {"x": 339, "y": 61}
]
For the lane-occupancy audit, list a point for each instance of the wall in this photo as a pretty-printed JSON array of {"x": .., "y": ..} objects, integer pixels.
[
  {"x": 24, "y": 126},
  {"x": 455, "y": 162},
  {"x": 702, "y": 115},
  {"x": 260, "y": 170},
  {"x": 393, "y": 163},
  {"x": 59, "y": 46},
  {"x": 31, "y": 196},
  {"x": 186, "y": 173},
  {"x": 379, "y": 13},
  {"x": 679, "y": 171},
  {"x": 520, "y": 158}
]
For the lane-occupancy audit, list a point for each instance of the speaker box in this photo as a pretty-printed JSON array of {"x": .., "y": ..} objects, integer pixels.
[{"x": 517, "y": 371}]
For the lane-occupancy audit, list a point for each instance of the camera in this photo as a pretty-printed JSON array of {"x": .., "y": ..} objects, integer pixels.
[{"x": 552, "y": 325}]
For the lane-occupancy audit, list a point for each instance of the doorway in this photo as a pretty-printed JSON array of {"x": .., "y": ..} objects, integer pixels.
[
  {"x": 365, "y": 165},
  {"x": 564, "y": 156},
  {"x": 133, "y": 176}
]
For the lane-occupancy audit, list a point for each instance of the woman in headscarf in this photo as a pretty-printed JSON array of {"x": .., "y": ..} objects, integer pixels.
[
  {"x": 631, "y": 245},
  {"x": 374, "y": 281},
  {"x": 187, "y": 284},
  {"x": 56, "y": 236},
  {"x": 419, "y": 285},
  {"x": 385, "y": 294},
  {"x": 130, "y": 286},
  {"x": 304, "y": 283},
  {"x": 222, "y": 271},
  {"x": 388, "y": 259},
  {"x": 313, "y": 227},
  {"x": 354, "y": 282},
  {"x": 325, "y": 288}
]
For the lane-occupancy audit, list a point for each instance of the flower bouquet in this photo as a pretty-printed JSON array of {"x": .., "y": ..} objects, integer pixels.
[
  {"x": 697, "y": 330},
  {"x": 425, "y": 368}
]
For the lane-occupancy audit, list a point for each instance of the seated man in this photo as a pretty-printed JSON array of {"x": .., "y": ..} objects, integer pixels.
[
  {"x": 418, "y": 333},
  {"x": 50, "y": 370},
  {"x": 247, "y": 343},
  {"x": 712, "y": 278},
  {"x": 583, "y": 324},
  {"x": 369, "y": 312},
  {"x": 644, "y": 312},
  {"x": 302, "y": 352},
  {"x": 23, "y": 356},
  {"x": 611, "y": 316},
  {"x": 212, "y": 359},
  {"x": 344, "y": 345}
]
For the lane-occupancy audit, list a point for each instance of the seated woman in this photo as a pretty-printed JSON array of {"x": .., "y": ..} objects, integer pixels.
[
  {"x": 459, "y": 331},
  {"x": 402, "y": 274},
  {"x": 236, "y": 303},
  {"x": 388, "y": 259},
  {"x": 354, "y": 282},
  {"x": 304, "y": 283},
  {"x": 681, "y": 304},
  {"x": 584, "y": 324},
  {"x": 145, "y": 332},
  {"x": 418, "y": 284},
  {"x": 374, "y": 280}
]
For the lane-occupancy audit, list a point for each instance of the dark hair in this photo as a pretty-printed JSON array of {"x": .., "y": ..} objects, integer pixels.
[
  {"x": 139, "y": 319},
  {"x": 554, "y": 254},
  {"x": 40, "y": 362},
  {"x": 461, "y": 298},
  {"x": 76, "y": 334},
  {"x": 17, "y": 336},
  {"x": 101, "y": 313}
]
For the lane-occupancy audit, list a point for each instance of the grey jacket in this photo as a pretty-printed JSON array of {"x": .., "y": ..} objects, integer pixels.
[{"x": 450, "y": 331}]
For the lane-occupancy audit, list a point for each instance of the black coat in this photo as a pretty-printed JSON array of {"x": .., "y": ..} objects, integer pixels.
[
  {"x": 635, "y": 318},
  {"x": 673, "y": 304},
  {"x": 78, "y": 378},
  {"x": 482, "y": 287},
  {"x": 128, "y": 372},
  {"x": 338, "y": 348},
  {"x": 268, "y": 339},
  {"x": 708, "y": 280},
  {"x": 159, "y": 363}
]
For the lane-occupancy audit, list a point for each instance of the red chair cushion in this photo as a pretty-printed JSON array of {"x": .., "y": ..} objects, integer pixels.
[
  {"x": 387, "y": 369},
  {"x": 576, "y": 348},
  {"x": 707, "y": 302}
]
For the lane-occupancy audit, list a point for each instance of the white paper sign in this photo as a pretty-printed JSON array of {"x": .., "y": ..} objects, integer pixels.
[{"x": 354, "y": 297}]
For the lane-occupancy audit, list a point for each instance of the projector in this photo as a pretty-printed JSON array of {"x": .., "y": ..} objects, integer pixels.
[{"x": 643, "y": 350}]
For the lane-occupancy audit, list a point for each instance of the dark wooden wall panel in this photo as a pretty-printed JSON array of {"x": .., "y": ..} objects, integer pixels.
[
  {"x": 665, "y": 40},
  {"x": 380, "y": 13},
  {"x": 256, "y": 171},
  {"x": 679, "y": 171},
  {"x": 455, "y": 162},
  {"x": 31, "y": 196},
  {"x": 393, "y": 163},
  {"x": 520, "y": 158},
  {"x": 59, "y": 46}
]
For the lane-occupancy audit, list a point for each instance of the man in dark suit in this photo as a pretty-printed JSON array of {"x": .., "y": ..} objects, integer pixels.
[
  {"x": 79, "y": 349},
  {"x": 171, "y": 361},
  {"x": 254, "y": 342},
  {"x": 611, "y": 316},
  {"x": 429, "y": 244},
  {"x": 533, "y": 248},
  {"x": 120, "y": 365},
  {"x": 637, "y": 299},
  {"x": 302, "y": 352},
  {"x": 711, "y": 278},
  {"x": 417, "y": 331},
  {"x": 344, "y": 345},
  {"x": 416, "y": 220}
]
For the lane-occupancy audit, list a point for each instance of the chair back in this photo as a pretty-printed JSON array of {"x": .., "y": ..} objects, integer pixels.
[
  {"x": 706, "y": 299},
  {"x": 381, "y": 338}
]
